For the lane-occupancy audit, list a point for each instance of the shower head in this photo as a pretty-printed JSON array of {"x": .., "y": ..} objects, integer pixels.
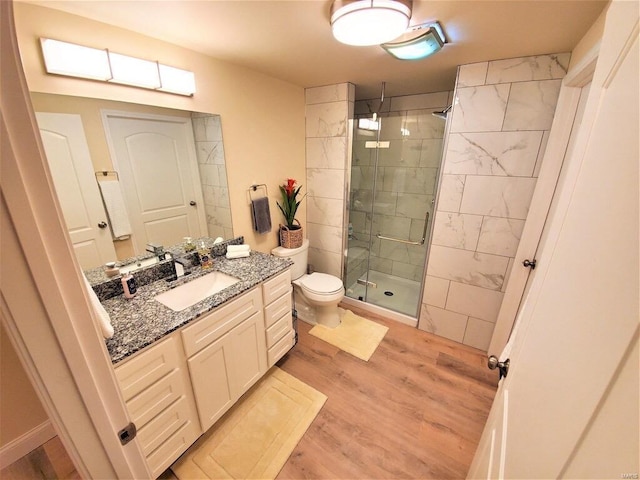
[{"x": 442, "y": 114}]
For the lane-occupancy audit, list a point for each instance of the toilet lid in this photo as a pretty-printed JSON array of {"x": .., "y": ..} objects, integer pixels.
[{"x": 321, "y": 283}]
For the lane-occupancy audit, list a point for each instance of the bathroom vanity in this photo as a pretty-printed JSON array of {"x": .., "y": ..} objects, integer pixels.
[{"x": 180, "y": 371}]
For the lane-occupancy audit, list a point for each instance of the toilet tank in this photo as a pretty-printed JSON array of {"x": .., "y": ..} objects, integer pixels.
[{"x": 298, "y": 255}]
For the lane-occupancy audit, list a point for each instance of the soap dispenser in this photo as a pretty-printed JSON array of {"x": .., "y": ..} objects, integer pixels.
[
  {"x": 129, "y": 285},
  {"x": 189, "y": 246},
  {"x": 204, "y": 254}
]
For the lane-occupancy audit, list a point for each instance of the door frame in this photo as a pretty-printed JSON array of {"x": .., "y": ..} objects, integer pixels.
[{"x": 44, "y": 306}]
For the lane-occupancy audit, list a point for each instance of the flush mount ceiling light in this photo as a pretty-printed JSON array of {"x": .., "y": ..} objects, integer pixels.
[
  {"x": 426, "y": 43},
  {"x": 369, "y": 22},
  {"x": 71, "y": 60}
]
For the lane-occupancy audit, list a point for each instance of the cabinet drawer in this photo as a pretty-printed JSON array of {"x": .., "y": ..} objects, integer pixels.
[
  {"x": 147, "y": 368},
  {"x": 220, "y": 321},
  {"x": 172, "y": 448},
  {"x": 278, "y": 330},
  {"x": 146, "y": 405},
  {"x": 279, "y": 308},
  {"x": 276, "y": 352},
  {"x": 158, "y": 430},
  {"x": 276, "y": 287}
]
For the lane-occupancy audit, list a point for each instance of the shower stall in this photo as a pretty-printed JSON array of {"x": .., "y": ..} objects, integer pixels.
[{"x": 395, "y": 166}]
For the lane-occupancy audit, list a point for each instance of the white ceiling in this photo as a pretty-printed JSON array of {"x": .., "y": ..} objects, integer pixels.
[{"x": 291, "y": 39}]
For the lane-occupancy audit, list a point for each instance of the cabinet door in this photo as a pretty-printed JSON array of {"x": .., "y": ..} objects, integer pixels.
[
  {"x": 249, "y": 353},
  {"x": 209, "y": 370}
]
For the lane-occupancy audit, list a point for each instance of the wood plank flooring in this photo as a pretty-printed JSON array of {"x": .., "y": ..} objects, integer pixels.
[
  {"x": 48, "y": 461},
  {"x": 416, "y": 410}
]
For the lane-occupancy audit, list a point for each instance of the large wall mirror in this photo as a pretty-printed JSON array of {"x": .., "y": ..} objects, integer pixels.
[{"x": 128, "y": 175}]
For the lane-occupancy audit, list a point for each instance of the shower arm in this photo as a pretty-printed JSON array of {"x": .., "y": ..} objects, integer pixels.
[{"x": 409, "y": 242}]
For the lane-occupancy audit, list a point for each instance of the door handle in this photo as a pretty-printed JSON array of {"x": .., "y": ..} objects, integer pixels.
[
  {"x": 102, "y": 225},
  {"x": 503, "y": 367},
  {"x": 530, "y": 263},
  {"x": 192, "y": 203}
]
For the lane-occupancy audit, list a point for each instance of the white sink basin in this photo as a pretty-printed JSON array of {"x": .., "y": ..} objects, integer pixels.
[{"x": 195, "y": 291}]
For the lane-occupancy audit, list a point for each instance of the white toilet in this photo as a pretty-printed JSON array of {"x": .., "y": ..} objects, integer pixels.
[{"x": 317, "y": 294}]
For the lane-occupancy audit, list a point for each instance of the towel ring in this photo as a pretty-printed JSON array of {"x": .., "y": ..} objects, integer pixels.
[{"x": 255, "y": 187}]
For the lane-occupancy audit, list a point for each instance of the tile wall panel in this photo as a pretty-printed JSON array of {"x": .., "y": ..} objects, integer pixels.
[
  {"x": 328, "y": 110},
  {"x": 500, "y": 121},
  {"x": 207, "y": 132}
]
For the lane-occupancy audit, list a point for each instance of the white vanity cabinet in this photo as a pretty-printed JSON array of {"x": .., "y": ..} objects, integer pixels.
[
  {"x": 158, "y": 395},
  {"x": 279, "y": 332},
  {"x": 177, "y": 388},
  {"x": 226, "y": 354}
]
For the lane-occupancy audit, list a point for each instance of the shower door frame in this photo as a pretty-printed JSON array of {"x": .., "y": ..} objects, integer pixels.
[{"x": 428, "y": 231}]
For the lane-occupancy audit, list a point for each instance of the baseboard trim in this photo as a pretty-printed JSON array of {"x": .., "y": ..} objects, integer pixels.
[{"x": 26, "y": 443}]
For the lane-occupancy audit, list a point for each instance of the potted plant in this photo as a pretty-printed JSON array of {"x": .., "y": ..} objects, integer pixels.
[{"x": 290, "y": 234}]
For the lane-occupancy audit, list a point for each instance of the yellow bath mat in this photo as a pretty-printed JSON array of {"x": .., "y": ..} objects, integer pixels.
[
  {"x": 355, "y": 335},
  {"x": 255, "y": 438}
]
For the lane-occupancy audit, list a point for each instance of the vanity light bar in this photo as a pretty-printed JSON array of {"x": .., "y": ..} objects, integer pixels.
[{"x": 72, "y": 60}]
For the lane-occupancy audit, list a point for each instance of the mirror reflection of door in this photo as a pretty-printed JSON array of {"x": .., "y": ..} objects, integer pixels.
[
  {"x": 69, "y": 160},
  {"x": 155, "y": 157}
]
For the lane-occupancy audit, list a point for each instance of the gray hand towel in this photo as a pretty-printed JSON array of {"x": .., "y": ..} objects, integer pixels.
[{"x": 261, "y": 215}]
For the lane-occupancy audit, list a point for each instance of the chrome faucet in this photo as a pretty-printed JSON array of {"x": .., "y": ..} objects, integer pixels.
[
  {"x": 181, "y": 266},
  {"x": 157, "y": 250}
]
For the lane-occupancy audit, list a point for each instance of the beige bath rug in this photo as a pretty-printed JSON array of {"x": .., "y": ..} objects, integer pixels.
[
  {"x": 255, "y": 438},
  {"x": 355, "y": 335}
]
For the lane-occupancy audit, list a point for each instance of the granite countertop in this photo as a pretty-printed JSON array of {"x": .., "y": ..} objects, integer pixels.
[{"x": 142, "y": 320}]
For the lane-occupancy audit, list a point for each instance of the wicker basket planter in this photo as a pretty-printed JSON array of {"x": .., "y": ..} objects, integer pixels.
[{"x": 291, "y": 237}]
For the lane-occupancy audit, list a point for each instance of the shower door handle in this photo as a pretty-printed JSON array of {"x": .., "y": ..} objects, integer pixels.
[{"x": 409, "y": 242}]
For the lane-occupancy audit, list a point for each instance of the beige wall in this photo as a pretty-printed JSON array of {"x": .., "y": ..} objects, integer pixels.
[
  {"x": 589, "y": 41},
  {"x": 262, "y": 117},
  {"x": 20, "y": 408}
]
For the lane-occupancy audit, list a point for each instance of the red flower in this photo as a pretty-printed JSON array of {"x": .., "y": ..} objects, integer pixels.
[{"x": 290, "y": 186}]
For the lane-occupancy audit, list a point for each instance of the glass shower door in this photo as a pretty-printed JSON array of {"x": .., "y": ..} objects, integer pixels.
[{"x": 393, "y": 179}]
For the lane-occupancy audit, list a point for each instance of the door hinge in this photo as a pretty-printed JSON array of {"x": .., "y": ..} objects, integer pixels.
[{"x": 127, "y": 434}]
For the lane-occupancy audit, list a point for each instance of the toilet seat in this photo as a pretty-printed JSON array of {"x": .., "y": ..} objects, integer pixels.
[{"x": 321, "y": 284}]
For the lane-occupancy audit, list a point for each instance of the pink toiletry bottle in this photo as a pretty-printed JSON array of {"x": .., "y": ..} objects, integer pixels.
[{"x": 129, "y": 286}]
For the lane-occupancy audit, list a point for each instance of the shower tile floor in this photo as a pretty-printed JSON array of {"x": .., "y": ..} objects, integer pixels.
[{"x": 405, "y": 292}]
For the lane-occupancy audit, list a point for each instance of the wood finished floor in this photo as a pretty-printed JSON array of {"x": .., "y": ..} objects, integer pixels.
[{"x": 416, "y": 410}]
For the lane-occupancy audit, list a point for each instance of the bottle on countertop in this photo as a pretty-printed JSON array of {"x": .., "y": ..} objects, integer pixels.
[
  {"x": 189, "y": 246},
  {"x": 129, "y": 285},
  {"x": 204, "y": 254}
]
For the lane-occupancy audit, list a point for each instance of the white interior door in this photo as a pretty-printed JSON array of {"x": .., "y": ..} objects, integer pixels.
[
  {"x": 70, "y": 162},
  {"x": 569, "y": 406},
  {"x": 155, "y": 157}
]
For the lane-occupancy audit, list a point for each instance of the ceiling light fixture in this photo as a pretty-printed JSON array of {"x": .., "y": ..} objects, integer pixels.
[
  {"x": 419, "y": 47},
  {"x": 369, "y": 22}
]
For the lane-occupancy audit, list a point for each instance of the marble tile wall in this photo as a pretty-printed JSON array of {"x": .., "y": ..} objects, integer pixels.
[
  {"x": 328, "y": 132},
  {"x": 207, "y": 132},
  {"x": 498, "y": 129}
]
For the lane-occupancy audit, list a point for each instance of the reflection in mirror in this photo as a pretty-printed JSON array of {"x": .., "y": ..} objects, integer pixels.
[{"x": 81, "y": 143}]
